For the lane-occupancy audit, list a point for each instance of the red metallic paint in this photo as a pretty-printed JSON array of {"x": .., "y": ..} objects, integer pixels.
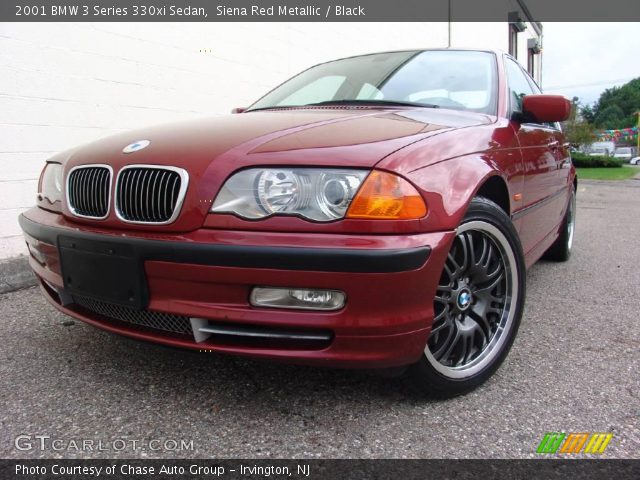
[
  {"x": 447, "y": 155},
  {"x": 345, "y": 352},
  {"x": 382, "y": 309},
  {"x": 215, "y": 148},
  {"x": 547, "y": 108}
]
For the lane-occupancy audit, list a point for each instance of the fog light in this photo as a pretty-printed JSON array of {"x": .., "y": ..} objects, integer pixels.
[{"x": 306, "y": 299}]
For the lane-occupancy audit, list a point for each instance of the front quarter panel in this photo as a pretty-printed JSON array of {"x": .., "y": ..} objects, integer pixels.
[
  {"x": 449, "y": 186},
  {"x": 449, "y": 172}
]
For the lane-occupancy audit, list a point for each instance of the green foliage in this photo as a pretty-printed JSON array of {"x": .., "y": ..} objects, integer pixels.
[
  {"x": 606, "y": 173},
  {"x": 615, "y": 108},
  {"x": 577, "y": 130},
  {"x": 610, "y": 117},
  {"x": 588, "y": 114},
  {"x": 582, "y": 160},
  {"x": 578, "y": 133}
]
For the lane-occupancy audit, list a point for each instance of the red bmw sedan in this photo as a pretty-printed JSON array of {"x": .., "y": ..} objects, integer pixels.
[{"x": 375, "y": 212}]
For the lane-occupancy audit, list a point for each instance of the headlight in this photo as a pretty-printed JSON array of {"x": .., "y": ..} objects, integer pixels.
[
  {"x": 51, "y": 183},
  {"x": 317, "y": 194}
]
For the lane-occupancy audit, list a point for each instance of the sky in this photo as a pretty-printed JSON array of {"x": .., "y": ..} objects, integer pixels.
[{"x": 584, "y": 59}]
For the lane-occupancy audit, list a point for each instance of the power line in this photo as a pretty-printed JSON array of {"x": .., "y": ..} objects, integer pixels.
[{"x": 595, "y": 84}]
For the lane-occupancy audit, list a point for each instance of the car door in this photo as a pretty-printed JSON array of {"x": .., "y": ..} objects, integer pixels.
[
  {"x": 539, "y": 146},
  {"x": 560, "y": 150}
]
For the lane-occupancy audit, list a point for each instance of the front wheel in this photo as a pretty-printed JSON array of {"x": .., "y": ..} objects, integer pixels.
[
  {"x": 477, "y": 307},
  {"x": 560, "y": 250}
]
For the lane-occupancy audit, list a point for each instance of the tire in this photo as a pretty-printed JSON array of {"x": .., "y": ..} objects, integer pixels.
[
  {"x": 477, "y": 307},
  {"x": 560, "y": 251}
]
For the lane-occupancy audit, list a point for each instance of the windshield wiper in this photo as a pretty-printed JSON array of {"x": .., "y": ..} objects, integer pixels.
[
  {"x": 374, "y": 102},
  {"x": 348, "y": 102}
]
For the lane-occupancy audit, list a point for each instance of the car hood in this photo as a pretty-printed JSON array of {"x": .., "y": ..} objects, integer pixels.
[
  {"x": 262, "y": 135},
  {"x": 211, "y": 149}
]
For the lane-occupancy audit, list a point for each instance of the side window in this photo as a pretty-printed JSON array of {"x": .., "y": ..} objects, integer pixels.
[
  {"x": 519, "y": 85},
  {"x": 534, "y": 86}
]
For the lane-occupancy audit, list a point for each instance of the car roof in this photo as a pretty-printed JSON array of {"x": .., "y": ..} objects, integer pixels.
[{"x": 496, "y": 52}]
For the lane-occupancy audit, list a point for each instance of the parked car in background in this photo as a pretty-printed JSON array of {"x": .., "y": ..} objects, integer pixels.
[
  {"x": 377, "y": 211},
  {"x": 624, "y": 153},
  {"x": 635, "y": 161}
]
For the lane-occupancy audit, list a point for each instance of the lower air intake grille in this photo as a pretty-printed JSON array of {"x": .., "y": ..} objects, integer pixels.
[
  {"x": 149, "y": 194},
  {"x": 143, "y": 318}
]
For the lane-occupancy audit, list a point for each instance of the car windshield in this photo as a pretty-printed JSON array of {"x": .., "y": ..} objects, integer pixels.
[
  {"x": 623, "y": 150},
  {"x": 456, "y": 79}
]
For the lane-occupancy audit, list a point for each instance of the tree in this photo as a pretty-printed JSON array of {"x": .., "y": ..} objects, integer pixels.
[
  {"x": 615, "y": 107},
  {"x": 611, "y": 117},
  {"x": 587, "y": 113},
  {"x": 577, "y": 129},
  {"x": 578, "y": 133}
]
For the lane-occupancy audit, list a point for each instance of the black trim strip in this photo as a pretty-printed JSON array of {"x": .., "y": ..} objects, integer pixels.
[
  {"x": 523, "y": 211},
  {"x": 282, "y": 258}
]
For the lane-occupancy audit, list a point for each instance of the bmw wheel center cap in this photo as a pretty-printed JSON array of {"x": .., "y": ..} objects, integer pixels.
[
  {"x": 464, "y": 299},
  {"x": 135, "y": 146}
]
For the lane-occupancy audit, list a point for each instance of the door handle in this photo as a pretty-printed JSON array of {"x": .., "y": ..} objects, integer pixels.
[{"x": 554, "y": 145}]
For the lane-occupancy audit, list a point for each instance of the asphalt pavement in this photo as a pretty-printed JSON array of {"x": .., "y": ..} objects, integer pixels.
[{"x": 574, "y": 367}]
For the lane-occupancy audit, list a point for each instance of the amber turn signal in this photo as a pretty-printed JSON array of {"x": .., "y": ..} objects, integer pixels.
[{"x": 386, "y": 196}]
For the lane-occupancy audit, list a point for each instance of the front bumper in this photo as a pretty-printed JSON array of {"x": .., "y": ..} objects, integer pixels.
[{"x": 208, "y": 275}]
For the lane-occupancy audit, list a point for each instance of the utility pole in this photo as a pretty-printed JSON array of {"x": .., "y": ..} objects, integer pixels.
[
  {"x": 449, "y": 24},
  {"x": 638, "y": 132}
]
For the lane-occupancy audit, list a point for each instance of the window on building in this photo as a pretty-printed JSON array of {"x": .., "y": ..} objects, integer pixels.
[
  {"x": 513, "y": 40},
  {"x": 531, "y": 62}
]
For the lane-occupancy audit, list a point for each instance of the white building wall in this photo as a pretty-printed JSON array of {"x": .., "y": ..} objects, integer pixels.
[
  {"x": 493, "y": 35},
  {"x": 496, "y": 35},
  {"x": 65, "y": 84}
]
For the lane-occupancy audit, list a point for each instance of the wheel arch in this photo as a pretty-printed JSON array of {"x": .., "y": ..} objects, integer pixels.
[
  {"x": 495, "y": 189},
  {"x": 449, "y": 187}
]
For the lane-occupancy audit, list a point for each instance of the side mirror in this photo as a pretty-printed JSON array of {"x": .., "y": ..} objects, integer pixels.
[
  {"x": 238, "y": 110},
  {"x": 546, "y": 108}
]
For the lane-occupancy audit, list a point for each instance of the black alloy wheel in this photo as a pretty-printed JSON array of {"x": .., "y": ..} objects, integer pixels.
[{"x": 477, "y": 306}]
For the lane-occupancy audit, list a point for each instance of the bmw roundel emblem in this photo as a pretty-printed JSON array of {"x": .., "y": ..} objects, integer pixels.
[
  {"x": 135, "y": 146},
  {"x": 464, "y": 299}
]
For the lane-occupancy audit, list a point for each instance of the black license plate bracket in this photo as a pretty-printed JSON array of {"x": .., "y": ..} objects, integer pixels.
[{"x": 103, "y": 270}]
